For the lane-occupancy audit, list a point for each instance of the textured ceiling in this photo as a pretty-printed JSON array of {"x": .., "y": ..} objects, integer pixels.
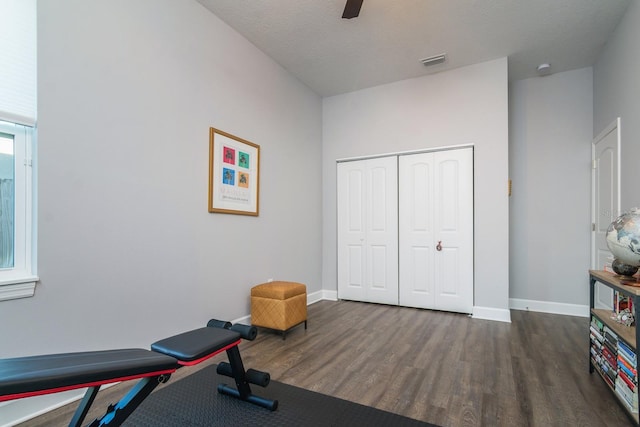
[{"x": 332, "y": 55}]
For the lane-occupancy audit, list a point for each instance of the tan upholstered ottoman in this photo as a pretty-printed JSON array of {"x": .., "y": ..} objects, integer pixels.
[{"x": 279, "y": 305}]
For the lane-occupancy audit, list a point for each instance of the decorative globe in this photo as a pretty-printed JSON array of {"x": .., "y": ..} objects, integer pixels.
[{"x": 623, "y": 238}]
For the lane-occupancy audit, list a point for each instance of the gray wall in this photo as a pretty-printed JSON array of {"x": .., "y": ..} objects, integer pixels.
[
  {"x": 550, "y": 122},
  {"x": 465, "y": 106},
  {"x": 127, "y": 251},
  {"x": 616, "y": 92}
]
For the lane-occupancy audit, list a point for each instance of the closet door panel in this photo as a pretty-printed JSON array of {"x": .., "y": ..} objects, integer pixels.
[
  {"x": 351, "y": 230},
  {"x": 367, "y": 230},
  {"x": 415, "y": 201},
  {"x": 436, "y": 230},
  {"x": 381, "y": 282},
  {"x": 453, "y": 219}
]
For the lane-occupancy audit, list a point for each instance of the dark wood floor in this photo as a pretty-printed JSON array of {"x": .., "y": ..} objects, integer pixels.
[{"x": 444, "y": 368}]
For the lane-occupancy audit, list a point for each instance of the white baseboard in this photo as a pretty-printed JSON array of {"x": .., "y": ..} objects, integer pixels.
[
  {"x": 490, "y": 313},
  {"x": 549, "y": 307},
  {"x": 245, "y": 320},
  {"x": 323, "y": 295}
]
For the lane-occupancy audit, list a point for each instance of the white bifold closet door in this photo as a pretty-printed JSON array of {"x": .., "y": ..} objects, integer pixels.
[
  {"x": 368, "y": 230},
  {"x": 436, "y": 230}
]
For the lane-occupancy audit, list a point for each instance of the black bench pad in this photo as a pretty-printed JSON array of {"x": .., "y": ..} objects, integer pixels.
[
  {"x": 197, "y": 344},
  {"x": 54, "y": 372}
]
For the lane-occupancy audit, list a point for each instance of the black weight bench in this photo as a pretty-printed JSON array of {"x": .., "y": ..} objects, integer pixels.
[{"x": 37, "y": 375}]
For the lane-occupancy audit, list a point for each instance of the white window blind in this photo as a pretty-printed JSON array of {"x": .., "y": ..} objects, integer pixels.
[{"x": 18, "y": 61}]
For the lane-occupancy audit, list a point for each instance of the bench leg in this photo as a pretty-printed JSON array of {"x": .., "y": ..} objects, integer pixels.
[
  {"x": 116, "y": 414},
  {"x": 239, "y": 373},
  {"x": 84, "y": 406},
  {"x": 243, "y": 390}
]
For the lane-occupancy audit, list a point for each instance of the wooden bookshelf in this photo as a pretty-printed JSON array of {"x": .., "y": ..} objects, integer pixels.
[{"x": 629, "y": 287}]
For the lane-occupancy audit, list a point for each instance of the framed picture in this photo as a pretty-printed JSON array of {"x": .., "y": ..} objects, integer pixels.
[{"x": 234, "y": 174}]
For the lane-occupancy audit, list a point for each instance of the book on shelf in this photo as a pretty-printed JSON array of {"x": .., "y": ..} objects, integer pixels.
[
  {"x": 595, "y": 342},
  {"x": 626, "y": 370},
  {"x": 608, "y": 380},
  {"x": 627, "y": 352},
  {"x": 609, "y": 352},
  {"x": 597, "y": 323},
  {"x": 628, "y": 396},
  {"x": 629, "y": 366},
  {"x": 613, "y": 348},
  {"x": 622, "y": 361},
  {"x": 632, "y": 386},
  {"x": 597, "y": 333},
  {"x": 609, "y": 333},
  {"x": 625, "y": 389},
  {"x": 611, "y": 343}
]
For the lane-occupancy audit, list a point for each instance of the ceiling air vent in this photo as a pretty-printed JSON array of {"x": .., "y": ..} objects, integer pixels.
[{"x": 434, "y": 60}]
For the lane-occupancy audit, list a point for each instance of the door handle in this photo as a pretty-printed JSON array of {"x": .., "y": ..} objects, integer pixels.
[{"x": 439, "y": 246}]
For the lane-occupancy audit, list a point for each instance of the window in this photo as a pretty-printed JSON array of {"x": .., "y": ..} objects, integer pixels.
[
  {"x": 17, "y": 142},
  {"x": 7, "y": 201},
  {"x": 16, "y": 218}
]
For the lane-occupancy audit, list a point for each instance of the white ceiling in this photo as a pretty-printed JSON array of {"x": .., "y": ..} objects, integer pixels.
[{"x": 332, "y": 55}]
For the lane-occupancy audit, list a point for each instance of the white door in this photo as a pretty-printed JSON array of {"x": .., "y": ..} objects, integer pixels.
[
  {"x": 368, "y": 230},
  {"x": 436, "y": 230},
  {"x": 605, "y": 195}
]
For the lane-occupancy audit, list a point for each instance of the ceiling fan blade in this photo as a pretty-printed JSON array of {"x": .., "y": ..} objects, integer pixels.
[{"x": 352, "y": 9}]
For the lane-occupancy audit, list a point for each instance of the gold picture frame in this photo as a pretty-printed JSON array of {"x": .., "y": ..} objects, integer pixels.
[{"x": 234, "y": 174}]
